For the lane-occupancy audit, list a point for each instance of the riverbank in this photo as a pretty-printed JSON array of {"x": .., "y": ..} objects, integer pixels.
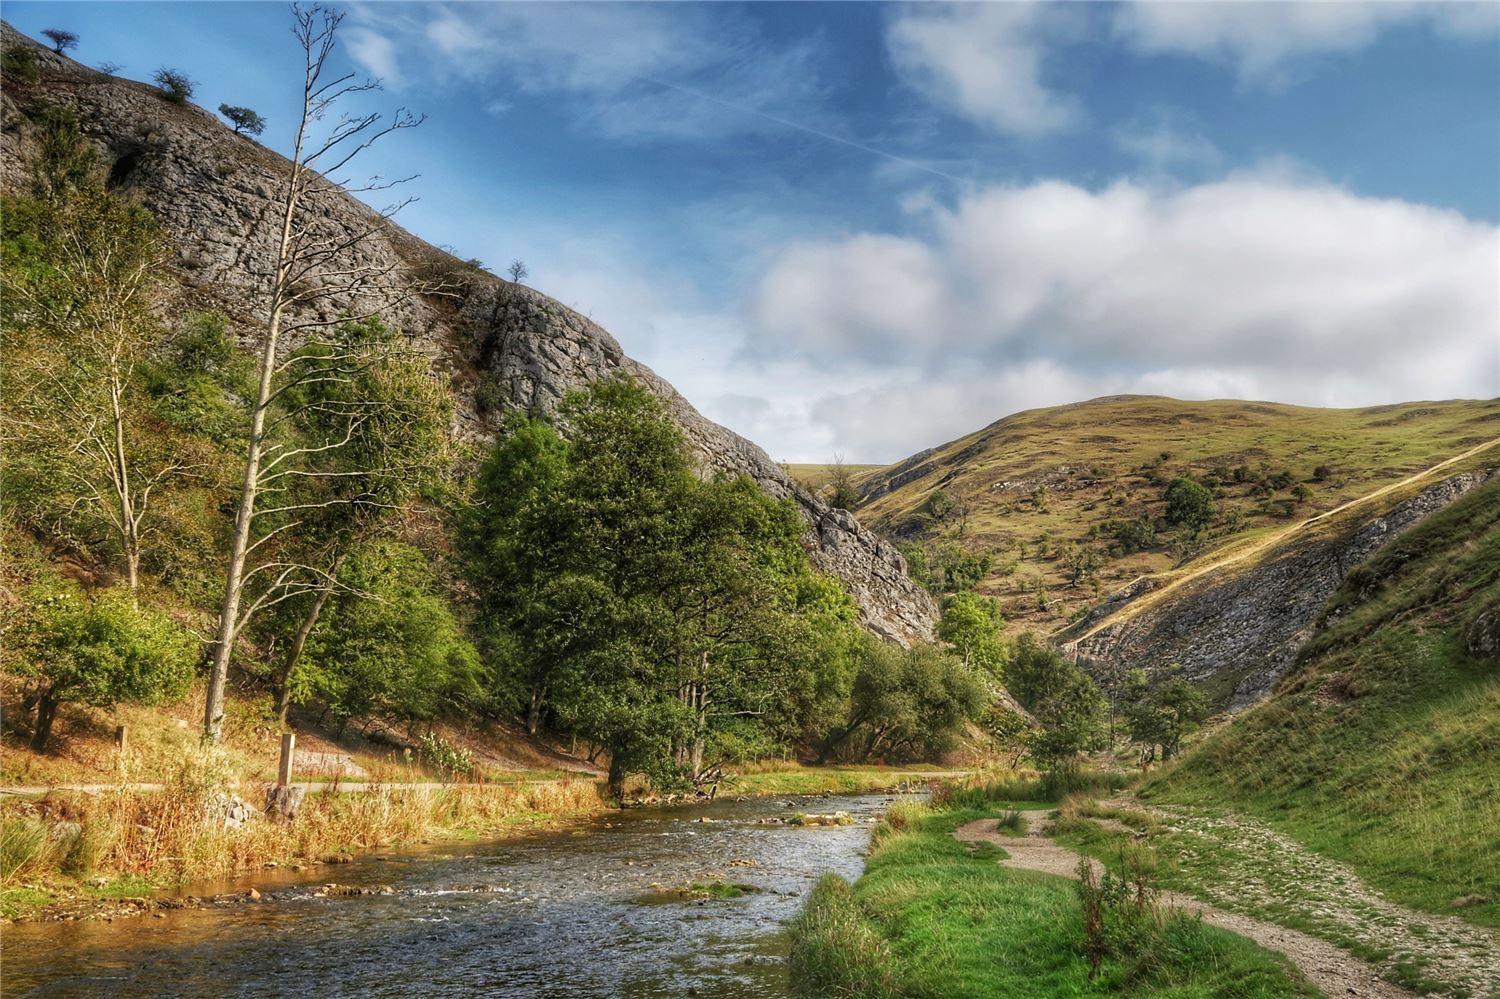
[
  {"x": 934, "y": 916},
  {"x": 87, "y": 855},
  {"x": 609, "y": 905},
  {"x": 111, "y": 850}
]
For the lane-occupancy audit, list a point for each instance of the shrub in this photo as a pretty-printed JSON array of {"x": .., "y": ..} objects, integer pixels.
[
  {"x": 1189, "y": 504},
  {"x": 98, "y": 652},
  {"x": 18, "y": 63},
  {"x": 175, "y": 85},
  {"x": 1120, "y": 915},
  {"x": 1133, "y": 535},
  {"x": 450, "y": 759}
]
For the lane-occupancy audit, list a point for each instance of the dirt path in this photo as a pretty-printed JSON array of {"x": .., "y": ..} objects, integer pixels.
[{"x": 1332, "y": 970}]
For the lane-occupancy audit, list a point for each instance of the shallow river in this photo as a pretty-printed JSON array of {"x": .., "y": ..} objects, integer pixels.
[{"x": 561, "y": 914}]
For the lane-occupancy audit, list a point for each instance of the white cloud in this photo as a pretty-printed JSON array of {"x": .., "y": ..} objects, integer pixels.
[
  {"x": 985, "y": 62},
  {"x": 1162, "y": 148},
  {"x": 374, "y": 52},
  {"x": 1262, "y": 39},
  {"x": 1257, "y": 286}
]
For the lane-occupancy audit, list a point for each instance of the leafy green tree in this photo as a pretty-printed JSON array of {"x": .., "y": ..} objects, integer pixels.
[
  {"x": 517, "y": 569},
  {"x": 1061, "y": 697},
  {"x": 1160, "y": 716},
  {"x": 244, "y": 120},
  {"x": 1189, "y": 504},
  {"x": 386, "y": 643},
  {"x": 917, "y": 567},
  {"x": 371, "y": 425},
  {"x": 907, "y": 703},
  {"x": 672, "y": 620},
  {"x": 98, "y": 651},
  {"x": 972, "y": 625},
  {"x": 960, "y": 569}
]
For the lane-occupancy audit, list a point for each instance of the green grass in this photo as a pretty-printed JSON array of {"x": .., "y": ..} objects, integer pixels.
[
  {"x": 816, "y": 477},
  {"x": 23, "y": 902},
  {"x": 932, "y": 917},
  {"x": 1382, "y": 747},
  {"x": 818, "y": 780},
  {"x": 1102, "y": 460}
]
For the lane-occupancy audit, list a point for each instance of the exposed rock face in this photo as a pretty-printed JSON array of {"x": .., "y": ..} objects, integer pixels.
[
  {"x": 215, "y": 195},
  {"x": 1236, "y": 635}
]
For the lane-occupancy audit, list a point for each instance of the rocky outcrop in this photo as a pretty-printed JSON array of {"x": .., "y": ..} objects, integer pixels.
[
  {"x": 1235, "y": 634},
  {"x": 214, "y": 193}
]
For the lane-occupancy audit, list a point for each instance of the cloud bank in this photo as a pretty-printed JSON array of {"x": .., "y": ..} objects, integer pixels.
[{"x": 1256, "y": 286}]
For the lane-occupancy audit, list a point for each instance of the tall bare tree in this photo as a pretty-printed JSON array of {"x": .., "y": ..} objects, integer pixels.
[
  {"x": 78, "y": 323},
  {"x": 312, "y": 261}
]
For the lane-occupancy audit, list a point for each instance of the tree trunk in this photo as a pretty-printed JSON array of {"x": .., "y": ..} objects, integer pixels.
[
  {"x": 284, "y": 682},
  {"x": 213, "y": 708},
  {"x": 46, "y": 714},
  {"x": 130, "y": 544},
  {"x": 534, "y": 709},
  {"x": 616, "y": 776}
]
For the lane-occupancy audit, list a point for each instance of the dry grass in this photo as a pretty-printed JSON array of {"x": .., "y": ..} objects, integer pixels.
[{"x": 179, "y": 835}]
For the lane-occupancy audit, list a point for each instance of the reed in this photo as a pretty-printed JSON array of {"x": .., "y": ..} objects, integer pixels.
[{"x": 180, "y": 835}]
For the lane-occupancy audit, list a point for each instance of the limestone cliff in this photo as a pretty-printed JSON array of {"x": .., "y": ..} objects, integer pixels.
[
  {"x": 1235, "y": 632},
  {"x": 215, "y": 195}
]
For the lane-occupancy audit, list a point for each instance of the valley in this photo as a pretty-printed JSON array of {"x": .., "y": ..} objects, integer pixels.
[{"x": 372, "y": 623}]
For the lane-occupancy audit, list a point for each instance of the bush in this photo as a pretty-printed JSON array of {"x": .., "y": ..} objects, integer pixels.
[
  {"x": 19, "y": 63},
  {"x": 97, "y": 652},
  {"x": 175, "y": 85},
  {"x": 448, "y": 758},
  {"x": 1189, "y": 504},
  {"x": 1133, "y": 535}
]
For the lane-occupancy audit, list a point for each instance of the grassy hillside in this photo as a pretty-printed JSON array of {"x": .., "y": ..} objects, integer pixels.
[
  {"x": 1382, "y": 747},
  {"x": 1070, "y": 502},
  {"x": 817, "y": 477}
]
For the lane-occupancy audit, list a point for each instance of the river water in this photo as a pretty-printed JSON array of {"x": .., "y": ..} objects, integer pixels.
[{"x": 565, "y": 914}]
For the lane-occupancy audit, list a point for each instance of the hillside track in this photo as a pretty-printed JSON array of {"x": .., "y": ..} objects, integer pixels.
[{"x": 1275, "y": 540}]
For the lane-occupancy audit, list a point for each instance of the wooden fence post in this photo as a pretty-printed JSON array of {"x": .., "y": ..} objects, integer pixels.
[
  {"x": 284, "y": 772},
  {"x": 120, "y": 739}
]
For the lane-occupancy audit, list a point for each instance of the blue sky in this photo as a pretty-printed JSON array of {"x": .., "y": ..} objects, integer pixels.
[{"x": 870, "y": 228}]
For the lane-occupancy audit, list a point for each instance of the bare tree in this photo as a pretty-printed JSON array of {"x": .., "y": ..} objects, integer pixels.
[
  {"x": 92, "y": 306},
  {"x": 61, "y": 40},
  {"x": 311, "y": 262},
  {"x": 109, "y": 67},
  {"x": 517, "y": 271}
]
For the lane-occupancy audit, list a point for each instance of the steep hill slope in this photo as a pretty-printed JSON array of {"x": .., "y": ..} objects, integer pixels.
[
  {"x": 1381, "y": 745},
  {"x": 503, "y": 346},
  {"x": 1070, "y": 501}
]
